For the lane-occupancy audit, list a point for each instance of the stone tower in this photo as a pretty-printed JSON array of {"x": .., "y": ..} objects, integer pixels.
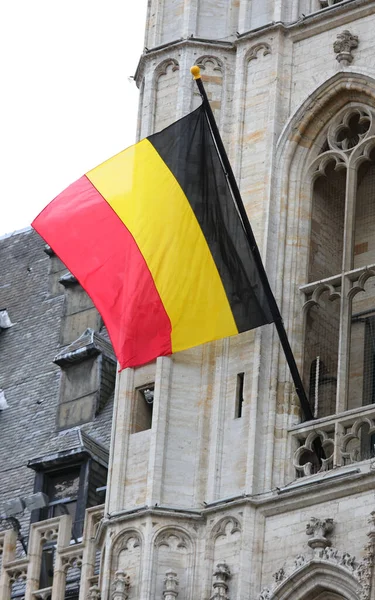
[{"x": 216, "y": 487}]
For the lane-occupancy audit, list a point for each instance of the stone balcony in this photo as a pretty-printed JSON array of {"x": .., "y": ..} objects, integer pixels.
[{"x": 334, "y": 441}]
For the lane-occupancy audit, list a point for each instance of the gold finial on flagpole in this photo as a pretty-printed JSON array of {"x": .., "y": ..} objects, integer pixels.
[{"x": 196, "y": 72}]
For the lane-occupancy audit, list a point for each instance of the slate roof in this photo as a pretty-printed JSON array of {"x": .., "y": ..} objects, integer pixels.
[{"x": 29, "y": 379}]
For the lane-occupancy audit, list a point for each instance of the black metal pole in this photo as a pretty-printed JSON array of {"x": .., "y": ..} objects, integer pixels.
[{"x": 305, "y": 405}]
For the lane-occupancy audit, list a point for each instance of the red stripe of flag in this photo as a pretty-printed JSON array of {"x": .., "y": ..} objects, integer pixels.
[{"x": 93, "y": 243}]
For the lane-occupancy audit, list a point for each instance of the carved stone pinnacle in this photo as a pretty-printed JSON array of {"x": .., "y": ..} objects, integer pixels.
[
  {"x": 319, "y": 528},
  {"x": 93, "y": 593},
  {"x": 120, "y": 586},
  {"x": 343, "y": 46},
  {"x": 221, "y": 576},
  {"x": 170, "y": 585}
]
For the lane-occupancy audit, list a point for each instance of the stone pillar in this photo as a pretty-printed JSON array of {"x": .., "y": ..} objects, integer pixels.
[
  {"x": 8, "y": 554},
  {"x": 217, "y": 423},
  {"x": 159, "y": 429},
  {"x": 34, "y": 554},
  {"x": 119, "y": 441},
  {"x": 170, "y": 585},
  {"x": 59, "y": 575},
  {"x": 88, "y": 558}
]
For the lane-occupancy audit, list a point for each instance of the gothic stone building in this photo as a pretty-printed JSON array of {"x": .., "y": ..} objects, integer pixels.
[{"x": 217, "y": 488}]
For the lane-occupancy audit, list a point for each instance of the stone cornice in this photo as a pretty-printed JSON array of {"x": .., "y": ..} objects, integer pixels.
[
  {"x": 279, "y": 501},
  {"x": 177, "y": 44},
  {"x": 331, "y": 17}
]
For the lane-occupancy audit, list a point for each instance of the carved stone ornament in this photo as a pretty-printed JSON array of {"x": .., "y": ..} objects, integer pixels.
[
  {"x": 120, "y": 586},
  {"x": 365, "y": 569},
  {"x": 221, "y": 577},
  {"x": 73, "y": 561},
  {"x": 170, "y": 591},
  {"x": 319, "y": 528},
  {"x": 361, "y": 571},
  {"x": 343, "y": 46},
  {"x": 93, "y": 593},
  {"x": 45, "y": 594},
  {"x": 49, "y": 534},
  {"x": 279, "y": 575}
]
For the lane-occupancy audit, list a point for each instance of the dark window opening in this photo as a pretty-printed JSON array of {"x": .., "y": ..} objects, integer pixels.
[
  {"x": 362, "y": 355},
  {"x": 239, "y": 395},
  {"x": 369, "y": 362},
  {"x": 71, "y": 489},
  {"x": 367, "y": 443},
  {"x": 62, "y": 489},
  {"x": 143, "y": 408},
  {"x": 47, "y": 566}
]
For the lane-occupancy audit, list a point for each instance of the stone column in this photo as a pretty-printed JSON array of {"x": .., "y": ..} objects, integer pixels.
[
  {"x": 159, "y": 430},
  {"x": 88, "y": 558},
  {"x": 59, "y": 574},
  {"x": 119, "y": 441},
  {"x": 8, "y": 554},
  {"x": 218, "y": 421}
]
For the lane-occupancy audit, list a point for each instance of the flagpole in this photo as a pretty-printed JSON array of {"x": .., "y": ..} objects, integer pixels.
[{"x": 305, "y": 405}]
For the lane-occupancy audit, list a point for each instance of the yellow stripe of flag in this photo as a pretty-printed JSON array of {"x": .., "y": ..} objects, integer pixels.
[{"x": 147, "y": 198}]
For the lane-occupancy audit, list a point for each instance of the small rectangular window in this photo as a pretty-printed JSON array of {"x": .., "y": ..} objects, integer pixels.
[
  {"x": 47, "y": 566},
  {"x": 143, "y": 405},
  {"x": 239, "y": 395}
]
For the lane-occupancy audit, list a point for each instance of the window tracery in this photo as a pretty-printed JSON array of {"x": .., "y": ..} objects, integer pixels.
[
  {"x": 339, "y": 296},
  {"x": 341, "y": 242}
]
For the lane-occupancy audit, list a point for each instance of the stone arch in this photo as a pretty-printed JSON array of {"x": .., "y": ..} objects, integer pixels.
[
  {"x": 323, "y": 104},
  {"x": 123, "y": 539},
  {"x": 297, "y": 147},
  {"x": 226, "y": 525},
  {"x": 180, "y": 533},
  {"x": 261, "y": 49},
  {"x": 165, "y": 86},
  {"x": 126, "y": 557},
  {"x": 224, "y": 544},
  {"x": 173, "y": 548},
  {"x": 213, "y": 76},
  {"x": 217, "y": 63},
  {"x": 318, "y": 580}
]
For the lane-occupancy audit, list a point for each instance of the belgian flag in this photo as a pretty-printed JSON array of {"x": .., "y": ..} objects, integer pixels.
[{"x": 154, "y": 237}]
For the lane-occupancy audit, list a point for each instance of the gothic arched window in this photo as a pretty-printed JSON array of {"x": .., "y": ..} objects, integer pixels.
[{"x": 339, "y": 357}]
